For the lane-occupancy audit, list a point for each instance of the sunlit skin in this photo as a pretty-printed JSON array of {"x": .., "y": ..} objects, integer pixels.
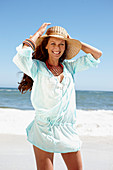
[{"x": 56, "y": 48}]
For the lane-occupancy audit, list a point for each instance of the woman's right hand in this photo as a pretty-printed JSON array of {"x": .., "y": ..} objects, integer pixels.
[
  {"x": 40, "y": 31},
  {"x": 43, "y": 27}
]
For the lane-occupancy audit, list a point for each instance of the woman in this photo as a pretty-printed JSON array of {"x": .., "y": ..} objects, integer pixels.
[{"x": 51, "y": 79}]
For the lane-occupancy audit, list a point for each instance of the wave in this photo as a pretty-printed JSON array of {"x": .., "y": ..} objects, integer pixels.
[
  {"x": 31, "y": 108},
  {"x": 8, "y": 90},
  {"x": 94, "y": 110},
  {"x": 17, "y": 108}
]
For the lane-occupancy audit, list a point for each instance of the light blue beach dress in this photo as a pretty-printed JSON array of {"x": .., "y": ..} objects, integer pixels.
[{"x": 54, "y": 126}]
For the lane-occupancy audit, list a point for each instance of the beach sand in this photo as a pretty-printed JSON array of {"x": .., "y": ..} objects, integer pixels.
[{"x": 16, "y": 153}]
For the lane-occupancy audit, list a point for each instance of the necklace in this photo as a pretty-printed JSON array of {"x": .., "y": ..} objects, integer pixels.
[{"x": 56, "y": 70}]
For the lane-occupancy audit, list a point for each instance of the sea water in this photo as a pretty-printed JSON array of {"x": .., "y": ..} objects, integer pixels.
[
  {"x": 85, "y": 100},
  {"x": 94, "y": 112}
]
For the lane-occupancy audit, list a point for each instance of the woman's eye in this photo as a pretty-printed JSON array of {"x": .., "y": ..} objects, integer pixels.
[
  {"x": 59, "y": 44},
  {"x": 52, "y": 43}
]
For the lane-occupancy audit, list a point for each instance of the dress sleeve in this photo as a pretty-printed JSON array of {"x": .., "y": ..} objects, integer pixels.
[
  {"x": 81, "y": 64},
  {"x": 23, "y": 60}
]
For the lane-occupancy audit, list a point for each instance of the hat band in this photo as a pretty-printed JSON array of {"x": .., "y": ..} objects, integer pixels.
[{"x": 54, "y": 34}]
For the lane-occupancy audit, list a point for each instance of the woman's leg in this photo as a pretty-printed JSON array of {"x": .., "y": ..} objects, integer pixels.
[
  {"x": 73, "y": 160},
  {"x": 44, "y": 160}
]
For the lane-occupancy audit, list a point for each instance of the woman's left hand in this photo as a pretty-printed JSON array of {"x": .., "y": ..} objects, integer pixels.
[{"x": 92, "y": 50}]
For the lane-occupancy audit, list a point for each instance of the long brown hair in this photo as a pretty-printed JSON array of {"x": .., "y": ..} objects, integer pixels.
[{"x": 40, "y": 54}]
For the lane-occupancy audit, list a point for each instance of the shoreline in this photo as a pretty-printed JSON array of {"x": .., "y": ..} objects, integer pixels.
[{"x": 17, "y": 153}]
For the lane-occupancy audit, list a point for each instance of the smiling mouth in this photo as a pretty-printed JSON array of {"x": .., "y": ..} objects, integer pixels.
[{"x": 56, "y": 52}]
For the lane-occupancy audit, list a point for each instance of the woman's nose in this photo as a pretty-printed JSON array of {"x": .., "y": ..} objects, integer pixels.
[{"x": 57, "y": 47}]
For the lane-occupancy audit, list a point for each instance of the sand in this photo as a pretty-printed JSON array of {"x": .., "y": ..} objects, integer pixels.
[{"x": 16, "y": 153}]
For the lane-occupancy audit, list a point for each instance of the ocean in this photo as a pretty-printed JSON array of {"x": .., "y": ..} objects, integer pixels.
[
  {"x": 94, "y": 112},
  {"x": 85, "y": 100}
]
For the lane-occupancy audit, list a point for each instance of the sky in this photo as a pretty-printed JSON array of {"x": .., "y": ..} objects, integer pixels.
[{"x": 86, "y": 20}]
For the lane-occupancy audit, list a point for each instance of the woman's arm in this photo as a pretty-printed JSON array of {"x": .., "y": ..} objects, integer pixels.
[
  {"x": 89, "y": 49},
  {"x": 23, "y": 58},
  {"x": 38, "y": 33},
  {"x": 84, "y": 62}
]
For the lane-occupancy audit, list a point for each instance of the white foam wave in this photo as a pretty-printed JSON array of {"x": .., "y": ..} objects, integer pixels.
[
  {"x": 90, "y": 123},
  {"x": 8, "y": 90}
]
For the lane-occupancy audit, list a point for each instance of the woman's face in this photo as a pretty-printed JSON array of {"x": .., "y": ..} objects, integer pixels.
[{"x": 55, "y": 47}]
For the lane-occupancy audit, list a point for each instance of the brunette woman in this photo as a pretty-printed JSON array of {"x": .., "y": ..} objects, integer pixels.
[{"x": 49, "y": 75}]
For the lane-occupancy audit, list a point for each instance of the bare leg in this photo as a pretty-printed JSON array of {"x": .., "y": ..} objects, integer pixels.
[
  {"x": 44, "y": 160},
  {"x": 73, "y": 160}
]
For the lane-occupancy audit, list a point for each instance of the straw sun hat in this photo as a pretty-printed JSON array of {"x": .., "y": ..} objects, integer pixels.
[{"x": 73, "y": 46}]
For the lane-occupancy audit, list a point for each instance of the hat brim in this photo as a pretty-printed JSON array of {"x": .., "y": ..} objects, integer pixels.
[{"x": 73, "y": 45}]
